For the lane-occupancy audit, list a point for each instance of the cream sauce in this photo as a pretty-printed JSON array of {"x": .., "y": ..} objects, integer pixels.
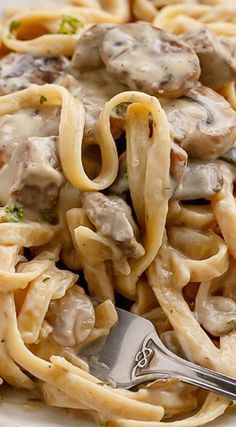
[
  {"x": 19, "y": 71},
  {"x": 147, "y": 58},
  {"x": 30, "y": 170},
  {"x": 218, "y": 65},
  {"x": 94, "y": 89},
  {"x": 200, "y": 181},
  {"x": 72, "y": 317},
  {"x": 202, "y": 122}
]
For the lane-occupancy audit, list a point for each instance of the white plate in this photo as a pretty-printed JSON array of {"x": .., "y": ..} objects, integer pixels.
[{"x": 15, "y": 409}]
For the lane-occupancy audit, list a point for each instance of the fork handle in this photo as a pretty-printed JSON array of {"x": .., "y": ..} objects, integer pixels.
[{"x": 155, "y": 361}]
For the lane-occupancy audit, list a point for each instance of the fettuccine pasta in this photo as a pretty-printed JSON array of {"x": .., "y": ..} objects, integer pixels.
[{"x": 117, "y": 186}]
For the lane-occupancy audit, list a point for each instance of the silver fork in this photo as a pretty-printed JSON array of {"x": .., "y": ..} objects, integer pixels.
[{"x": 133, "y": 354}]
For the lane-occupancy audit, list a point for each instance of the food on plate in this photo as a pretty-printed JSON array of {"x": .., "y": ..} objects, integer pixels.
[{"x": 117, "y": 188}]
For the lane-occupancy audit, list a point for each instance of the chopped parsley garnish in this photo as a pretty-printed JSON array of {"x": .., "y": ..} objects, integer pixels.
[
  {"x": 48, "y": 216},
  {"x": 121, "y": 109},
  {"x": 126, "y": 175},
  {"x": 14, "y": 25},
  {"x": 43, "y": 99},
  {"x": 46, "y": 279},
  {"x": 14, "y": 214},
  {"x": 101, "y": 384},
  {"x": 69, "y": 25}
]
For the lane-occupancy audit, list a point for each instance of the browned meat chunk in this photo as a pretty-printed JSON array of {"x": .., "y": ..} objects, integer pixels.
[
  {"x": 32, "y": 176},
  {"x": 218, "y": 65},
  {"x": 72, "y": 317},
  {"x": 150, "y": 59},
  {"x": 14, "y": 128},
  {"x": 202, "y": 122},
  {"x": 87, "y": 53},
  {"x": 18, "y": 71},
  {"x": 111, "y": 217},
  {"x": 200, "y": 181}
]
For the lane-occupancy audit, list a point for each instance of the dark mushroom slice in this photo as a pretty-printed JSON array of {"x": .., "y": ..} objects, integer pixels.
[
  {"x": 112, "y": 218},
  {"x": 202, "y": 122},
  {"x": 218, "y": 65},
  {"x": 18, "y": 71},
  {"x": 200, "y": 181},
  {"x": 87, "y": 53},
  {"x": 150, "y": 59}
]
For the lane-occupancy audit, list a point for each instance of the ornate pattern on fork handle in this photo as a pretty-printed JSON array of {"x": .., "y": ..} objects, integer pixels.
[{"x": 143, "y": 358}]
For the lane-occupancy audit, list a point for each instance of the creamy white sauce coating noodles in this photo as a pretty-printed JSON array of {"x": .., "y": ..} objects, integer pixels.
[{"x": 117, "y": 176}]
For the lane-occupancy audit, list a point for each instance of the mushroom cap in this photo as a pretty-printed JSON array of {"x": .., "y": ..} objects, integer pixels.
[
  {"x": 149, "y": 59},
  {"x": 218, "y": 64},
  {"x": 87, "y": 54},
  {"x": 202, "y": 122}
]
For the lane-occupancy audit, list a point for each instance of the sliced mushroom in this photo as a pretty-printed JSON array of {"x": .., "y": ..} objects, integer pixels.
[
  {"x": 87, "y": 53},
  {"x": 150, "y": 59},
  {"x": 112, "y": 218},
  {"x": 72, "y": 317},
  {"x": 200, "y": 181},
  {"x": 202, "y": 122},
  {"x": 215, "y": 313},
  {"x": 32, "y": 176},
  {"x": 218, "y": 66},
  {"x": 18, "y": 71},
  {"x": 230, "y": 156}
]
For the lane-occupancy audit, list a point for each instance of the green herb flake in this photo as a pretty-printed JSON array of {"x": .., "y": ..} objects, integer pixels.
[
  {"x": 43, "y": 99},
  {"x": 126, "y": 175},
  {"x": 121, "y": 109},
  {"x": 69, "y": 25},
  {"x": 101, "y": 384},
  {"x": 46, "y": 279},
  {"x": 48, "y": 216},
  {"x": 14, "y": 214},
  {"x": 14, "y": 25}
]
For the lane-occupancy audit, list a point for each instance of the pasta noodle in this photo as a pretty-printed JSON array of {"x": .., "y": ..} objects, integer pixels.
[{"x": 117, "y": 186}]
